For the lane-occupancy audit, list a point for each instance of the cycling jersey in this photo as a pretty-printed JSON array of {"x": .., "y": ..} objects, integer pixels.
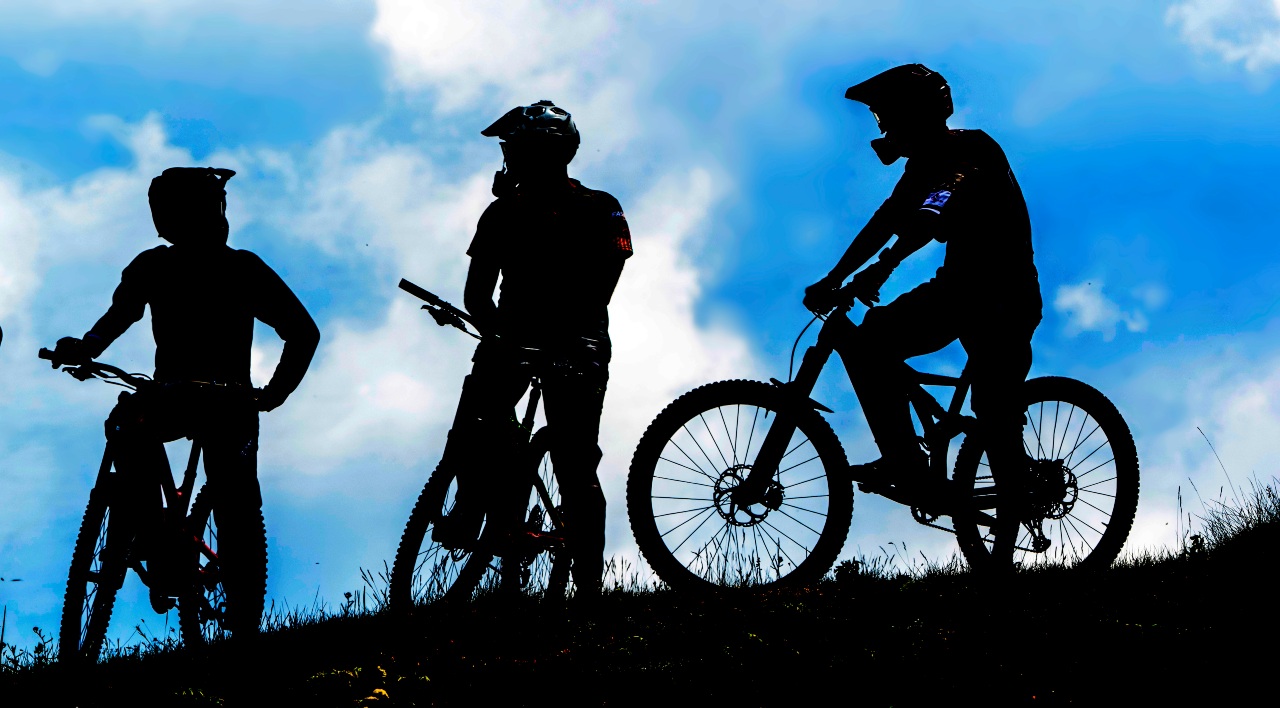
[
  {"x": 965, "y": 192},
  {"x": 558, "y": 254},
  {"x": 203, "y": 303}
]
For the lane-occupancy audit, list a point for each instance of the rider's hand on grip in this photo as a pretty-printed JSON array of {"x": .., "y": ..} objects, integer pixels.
[
  {"x": 820, "y": 297},
  {"x": 70, "y": 350}
]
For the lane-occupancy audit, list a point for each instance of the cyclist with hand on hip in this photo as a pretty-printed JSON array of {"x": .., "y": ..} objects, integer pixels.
[
  {"x": 204, "y": 297},
  {"x": 559, "y": 248},
  {"x": 958, "y": 189}
]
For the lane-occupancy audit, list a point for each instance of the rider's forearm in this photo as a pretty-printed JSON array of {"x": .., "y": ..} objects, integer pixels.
[
  {"x": 866, "y": 244},
  {"x": 904, "y": 246},
  {"x": 299, "y": 349},
  {"x": 477, "y": 296}
]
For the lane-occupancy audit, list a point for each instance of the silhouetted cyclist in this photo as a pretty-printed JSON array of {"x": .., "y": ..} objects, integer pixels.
[
  {"x": 958, "y": 189},
  {"x": 204, "y": 297},
  {"x": 559, "y": 248}
]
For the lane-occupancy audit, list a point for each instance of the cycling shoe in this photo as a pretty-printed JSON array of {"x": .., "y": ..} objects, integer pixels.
[{"x": 457, "y": 531}]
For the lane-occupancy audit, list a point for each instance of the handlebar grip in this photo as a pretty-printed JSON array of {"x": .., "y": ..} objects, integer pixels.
[
  {"x": 46, "y": 354},
  {"x": 417, "y": 292}
]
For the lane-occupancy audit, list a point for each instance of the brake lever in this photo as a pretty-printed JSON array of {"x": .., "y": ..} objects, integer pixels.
[{"x": 444, "y": 318}]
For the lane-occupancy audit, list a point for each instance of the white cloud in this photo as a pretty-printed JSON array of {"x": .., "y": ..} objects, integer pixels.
[
  {"x": 1087, "y": 309},
  {"x": 1244, "y": 31},
  {"x": 465, "y": 48}
]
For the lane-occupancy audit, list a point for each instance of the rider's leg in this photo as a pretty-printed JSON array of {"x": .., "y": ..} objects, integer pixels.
[
  {"x": 999, "y": 360},
  {"x": 574, "y": 401},
  {"x": 139, "y": 458},
  {"x": 481, "y": 443},
  {"x": 231, "y": 466},
  {"x": 915, "y": 323}
]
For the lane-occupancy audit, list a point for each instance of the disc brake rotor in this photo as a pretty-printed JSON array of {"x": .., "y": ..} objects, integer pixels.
[{"x": 749, "y": 515}]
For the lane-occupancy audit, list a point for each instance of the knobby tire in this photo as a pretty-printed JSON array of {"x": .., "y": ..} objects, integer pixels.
[{"x": 84, "y": 624}]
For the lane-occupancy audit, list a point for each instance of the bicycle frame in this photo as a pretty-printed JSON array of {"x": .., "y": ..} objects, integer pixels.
[
  {"x": 940, "y": 425},
  {"x": 177, "y": 498}
]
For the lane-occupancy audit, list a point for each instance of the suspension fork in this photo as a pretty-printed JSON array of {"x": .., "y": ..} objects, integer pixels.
[{"x": 796, "y": 394}]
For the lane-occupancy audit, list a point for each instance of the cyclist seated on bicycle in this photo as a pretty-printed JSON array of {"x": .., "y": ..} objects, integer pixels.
[
  {"x": 559, "y": 248},
  {"x": 957, "y": 188},
  {"x": 204, "y": 297}
]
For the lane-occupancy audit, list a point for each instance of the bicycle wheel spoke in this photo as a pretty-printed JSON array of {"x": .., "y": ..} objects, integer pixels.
[
  {"x": 695, "y": 529},
  {"x": 1066, "y": 430},
  {"x": 682, "y": 511},
  {"x": 1067, "y": 460},
  {"x": 696, "y": 467},
  {"x": 746, "y": 453},
  {"x": 687, "y": 467},
  {"x": 1053, "y": 437},
  {"x": 801, "y": 508},
  {"x": 732, "y": 439},
  {"x": 1094, "y": 484},
  {"x": 797, "y": 447},
  {"x": 811, "y": 459},
  {"x": 1088, "y": 503},
  {"x": 699, "y": 446},
  {"x": 712, "y": 436},
  {"x": 684, "y": 481},
  {"x": 1071, "y": 519},
  {"x": 793, "y": 485},
  {"x": 1081, "y": 476},
  {"x": 778, "y": 544}
]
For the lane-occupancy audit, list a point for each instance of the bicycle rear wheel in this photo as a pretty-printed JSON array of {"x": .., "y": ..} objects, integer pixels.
[
  {"x": 697, "y": 451},
  {"x": 544, "y": 567},
  {"x": 98, "y": 566},
  {"x": 204, "y": 613},
  {"x": 1081, "y": 485}
]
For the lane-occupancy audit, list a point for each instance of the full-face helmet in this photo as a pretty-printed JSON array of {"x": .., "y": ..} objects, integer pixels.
[{"x": 190, "y": 203}]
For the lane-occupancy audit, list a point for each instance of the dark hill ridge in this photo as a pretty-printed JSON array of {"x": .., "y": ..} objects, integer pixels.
[{"x": 1194, "y": 628}]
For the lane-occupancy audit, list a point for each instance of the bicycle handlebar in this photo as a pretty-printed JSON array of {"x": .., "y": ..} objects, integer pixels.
[
  {"x": 444, "y": 313},
  {"x": 90, "y": 369}
]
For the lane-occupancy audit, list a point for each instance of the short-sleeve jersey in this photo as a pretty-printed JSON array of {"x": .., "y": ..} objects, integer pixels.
[
  {"x": 968, "y": 183},
  {"x": 558, "y": 255}
]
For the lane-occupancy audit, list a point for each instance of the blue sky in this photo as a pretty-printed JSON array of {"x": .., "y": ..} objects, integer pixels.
[{"x": 1143, "y": 137}]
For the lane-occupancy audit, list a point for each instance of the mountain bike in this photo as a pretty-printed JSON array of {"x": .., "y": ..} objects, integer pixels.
[
  {"x": 743, "y": 483},
  {"x": 519, "y": 551},
  {"x": 174, "y": 553}
]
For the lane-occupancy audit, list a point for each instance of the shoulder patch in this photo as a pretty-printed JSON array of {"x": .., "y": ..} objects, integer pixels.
[{"x": 936, "y": 201}]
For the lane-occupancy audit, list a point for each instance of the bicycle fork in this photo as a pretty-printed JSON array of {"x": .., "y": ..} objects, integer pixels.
[{"x": 754, "y": 489}]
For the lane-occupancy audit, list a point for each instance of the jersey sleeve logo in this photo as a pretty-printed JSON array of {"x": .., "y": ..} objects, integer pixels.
[{"x": 936, "y": 201}]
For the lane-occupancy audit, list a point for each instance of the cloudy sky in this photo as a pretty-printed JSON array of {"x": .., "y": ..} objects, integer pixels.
[{"x": 1143, "y": 134}]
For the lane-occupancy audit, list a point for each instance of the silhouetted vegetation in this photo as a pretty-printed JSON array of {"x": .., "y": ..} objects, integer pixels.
[{"x": 1185, "y": 625}]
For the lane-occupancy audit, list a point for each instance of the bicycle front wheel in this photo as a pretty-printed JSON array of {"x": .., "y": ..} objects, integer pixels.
[
  {"x": 1081, "y": 485},
  {"x": 424, "y": 571},
  {"x": 98, "y": 566},
  {"x": 697, "y": 451}
]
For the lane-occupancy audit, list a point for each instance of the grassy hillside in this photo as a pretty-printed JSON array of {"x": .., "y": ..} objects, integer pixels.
[{"x": 1192, "y": 627}]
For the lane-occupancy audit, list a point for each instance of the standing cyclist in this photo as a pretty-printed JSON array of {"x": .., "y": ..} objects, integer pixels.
[
  {"x": 559, "y": 248},
  {"x": 957, "y": 188},
  {"x": 204, "y": 297}
]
